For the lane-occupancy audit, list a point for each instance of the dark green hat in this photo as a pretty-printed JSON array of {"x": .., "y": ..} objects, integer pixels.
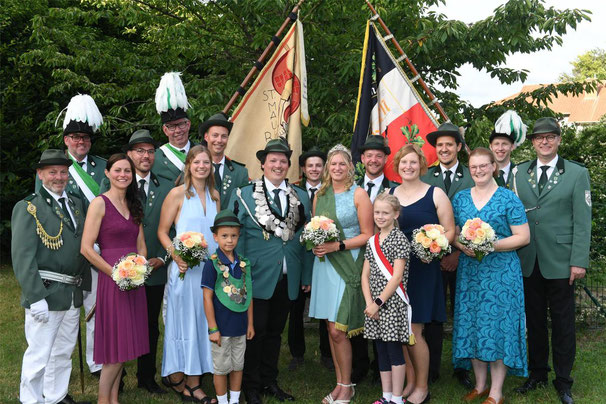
[
  {"x": 53, "y": 157},
  {"x": 545, "y": 125},
  {"x": 279, "y": 145},
  {"x": 313, "y": 152},
  {"x": 140, "y": 136},
  {"x": 446, "y": 129},
  {"x": 375, "y": 142},
  {"x": 219, "y": 119},
  {"x": 225, "y": 218}
]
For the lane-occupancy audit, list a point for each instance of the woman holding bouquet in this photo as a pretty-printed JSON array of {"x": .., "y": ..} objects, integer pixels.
[
  {"x": 421, "y": 204},
  {"x": 190, "y": 207},
  {"x": 113, "y": 221},
  {"x": 489, "y": 319},
  {"x": 336, "y": 294}
]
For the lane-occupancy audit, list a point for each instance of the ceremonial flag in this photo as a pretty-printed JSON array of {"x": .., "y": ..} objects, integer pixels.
[
  {"x": 389, "y": 105},
  {"x": 275, "y": 105}
]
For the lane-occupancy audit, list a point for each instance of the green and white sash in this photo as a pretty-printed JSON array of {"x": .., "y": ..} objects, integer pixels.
[
  {"x": 85, "y": 181},
  {"x": 175, "y": 156}
]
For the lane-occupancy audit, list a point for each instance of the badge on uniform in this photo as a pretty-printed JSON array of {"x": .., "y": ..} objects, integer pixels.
[{"x": 588, "y": 197}]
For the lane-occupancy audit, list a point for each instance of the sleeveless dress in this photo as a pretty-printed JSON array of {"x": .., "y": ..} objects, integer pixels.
[
  {"x": 327, "y": 286},
  {"x": 425, "y": 288},
  {"x": 186, "y": 343},
  {"x": 121, "y": 332},
  {"x": 489, "y": 317}
]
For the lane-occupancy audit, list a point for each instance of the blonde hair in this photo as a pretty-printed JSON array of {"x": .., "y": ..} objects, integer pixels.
[
  {"x": 209, "y": 183},
  {"x": 407, "y": 149},
  {"x": 326, "y": 180},
  {"x": 391, "y": 200}
]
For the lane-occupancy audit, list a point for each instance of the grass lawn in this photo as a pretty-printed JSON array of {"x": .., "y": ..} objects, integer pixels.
[{"x": 308, "y": 384}]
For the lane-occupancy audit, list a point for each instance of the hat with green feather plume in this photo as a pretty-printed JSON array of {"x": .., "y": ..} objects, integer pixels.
[
  {"x": 171, "y": 100},
  {"x": 81, "y": 116},
  {"x": 510, "y": 126}
]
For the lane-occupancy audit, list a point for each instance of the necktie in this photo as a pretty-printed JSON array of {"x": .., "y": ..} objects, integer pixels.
[
  {"x": 142, "y": 194},
  {"x": 218, "y": 180},
  {"x": 66, "y": 211},
  {"x": 502, "y": 174},
  {"x": 312, "y": 193},
  {"x": 543, "y": 179},
  {"x": 447, "y": 180},
  {"x": 369, "y": 187},
  {"x": 182, "y": 151},
  {"x": 277, "y": 199},
  {"x": 81, "y": 164}
]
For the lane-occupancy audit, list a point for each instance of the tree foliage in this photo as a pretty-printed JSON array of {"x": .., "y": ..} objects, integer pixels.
[
  {"x": 117, "y": 50},
  {"x": 588, "y": 66}
]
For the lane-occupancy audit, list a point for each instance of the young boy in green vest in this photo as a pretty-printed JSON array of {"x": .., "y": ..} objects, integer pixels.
[{"x": 227, "y": 288}]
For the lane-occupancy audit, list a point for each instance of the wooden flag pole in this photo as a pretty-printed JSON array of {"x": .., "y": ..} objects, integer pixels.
[
  {"x": 433, "y": 100},
  {"x": 259, "y": 63}
]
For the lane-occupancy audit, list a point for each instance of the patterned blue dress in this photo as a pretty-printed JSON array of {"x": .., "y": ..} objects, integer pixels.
[{"x": 489, "y": 317}]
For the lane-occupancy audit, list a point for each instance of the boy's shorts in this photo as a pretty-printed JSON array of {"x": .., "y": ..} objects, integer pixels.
[{"x": 229, "y": 357}]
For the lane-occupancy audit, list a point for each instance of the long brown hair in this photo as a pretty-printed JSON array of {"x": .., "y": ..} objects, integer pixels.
[
  {"x": 209, "y": 182},
  {"x": 326, "y": 180},
  {"x": 132, "y": 199}
]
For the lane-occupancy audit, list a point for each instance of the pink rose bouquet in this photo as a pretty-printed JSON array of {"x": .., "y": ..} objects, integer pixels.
[
  {"x": 131, "y": 271},
  {"x": 191, "y": 247},
  {"x": 478, "y": 236},
  {"x": 429, "y": 242},
  {"x": 319, "y": 230}
]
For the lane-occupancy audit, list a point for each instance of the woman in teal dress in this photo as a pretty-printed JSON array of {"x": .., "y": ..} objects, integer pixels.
[
  {"x": 336, "y": 294},
  {"x": 489, "y": 318}
]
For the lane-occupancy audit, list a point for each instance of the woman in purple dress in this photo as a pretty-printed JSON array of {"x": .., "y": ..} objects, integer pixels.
[{"x": 113, "y": 221}]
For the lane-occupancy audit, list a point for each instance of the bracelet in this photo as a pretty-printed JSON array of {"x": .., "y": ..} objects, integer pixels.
[{"x": 213, "y": 330}]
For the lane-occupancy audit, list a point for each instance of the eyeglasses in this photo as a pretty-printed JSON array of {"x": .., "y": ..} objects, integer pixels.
[
  {"x": 482, "y": 167},
  {"x": 143, "y": 152},
  {"x": 173, "y": 126},
  {"x": 540, "y": 139},
  {"x": 79, "y": 138}
]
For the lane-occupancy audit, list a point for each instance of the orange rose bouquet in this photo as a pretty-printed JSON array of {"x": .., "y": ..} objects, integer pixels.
[
  {"x": 191, "y": 247},
  {"x": 319, "y": 230},
  {"x": 478, "y": 236},
  {"x": 131, "y": 271},
  {"x": 429, "y": 242}
]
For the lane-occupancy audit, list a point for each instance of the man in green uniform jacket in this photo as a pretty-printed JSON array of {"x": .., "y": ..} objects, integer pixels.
[
  {"x": 557, "y": 197},
  {"x": 229, "y": 174},
  {"x": 272, "y": 213},
  {"x": 45, "y": 249},
  {"x": 374, "y": 154},
  {"x": 451, "y": 176}
]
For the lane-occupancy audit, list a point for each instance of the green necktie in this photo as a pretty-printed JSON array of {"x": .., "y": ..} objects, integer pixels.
[
  {"x": 543, "y": 179},
  {"x": 66, "y": 211}
]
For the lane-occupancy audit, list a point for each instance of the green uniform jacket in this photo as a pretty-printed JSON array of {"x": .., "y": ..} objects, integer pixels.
[
  {"x": 509, "y": 184},
  {"x": 29, "y": 254},
  {"x": 158, "y": 189},
  {"x": 385, "y": 184},
  {"x": 235, "y": 175},
  {"x": 164, "y": 168},
  {"x": 267, "y": 256},
  {"x": 462, "y": 179},
  {"x": 559, "y": 219},
  {"x": 95, "y": 167}
]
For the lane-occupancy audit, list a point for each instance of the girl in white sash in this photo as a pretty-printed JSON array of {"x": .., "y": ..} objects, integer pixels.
[{"x": 388, "y": 312}]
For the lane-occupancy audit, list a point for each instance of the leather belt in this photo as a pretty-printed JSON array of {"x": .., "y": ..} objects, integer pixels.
[{"x": 61, "y": 278}]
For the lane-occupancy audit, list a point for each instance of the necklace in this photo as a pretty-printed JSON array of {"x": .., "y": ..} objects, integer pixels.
[{"x": 279, "y": 226}]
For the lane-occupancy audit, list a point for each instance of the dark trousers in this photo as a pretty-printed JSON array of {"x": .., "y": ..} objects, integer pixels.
[
  {"x": 146, "y": 364},
  {"x": 557, "y": 295},
  {"x": 296, "y": 331},
  {"x": 434, "y": 336},
  {"x": 360, "y": 361},
  {"x": 263, "y": 351}
]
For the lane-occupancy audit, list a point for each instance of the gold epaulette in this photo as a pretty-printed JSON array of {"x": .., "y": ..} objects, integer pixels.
[{"x": 52, "y": 242}]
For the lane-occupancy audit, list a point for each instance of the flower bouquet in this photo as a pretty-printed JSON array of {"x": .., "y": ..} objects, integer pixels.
[
  {"x": 131, "y": 271},
  {"x": 429, "y": 242},
  {"x": 319, "y": 230},
  {"x": 478, "y": 236},
  {"x": 191, "y": 247}
]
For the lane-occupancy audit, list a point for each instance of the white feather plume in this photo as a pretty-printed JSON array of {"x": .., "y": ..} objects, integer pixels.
[
  {"x": 170, "y": 94},
  {"x": 82, "y": 108},
  {"x": 510, "y": 123}
]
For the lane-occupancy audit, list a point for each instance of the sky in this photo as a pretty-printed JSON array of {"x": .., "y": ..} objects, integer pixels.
[{"x": 478, "y": 88}]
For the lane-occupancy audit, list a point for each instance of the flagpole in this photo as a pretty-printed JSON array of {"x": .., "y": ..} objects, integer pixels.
[{"x": 292, "y": 17}]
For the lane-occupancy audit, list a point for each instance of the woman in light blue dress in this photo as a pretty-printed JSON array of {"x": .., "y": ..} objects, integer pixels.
[
  {"x": 336, "y": 290},
  {"x": 190, "y": 207}
]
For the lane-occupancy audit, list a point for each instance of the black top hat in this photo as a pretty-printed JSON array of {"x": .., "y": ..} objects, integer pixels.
[
  {"x": 219, "y": 119},
  {"x": 53, "y": 157},
  {"x": 78, "y": 127},
  {"x": 313, "y": 152},
  {"x": 279, "y": 145},
  {"x": 173, "y": 115},
  {"x": 446, "y": 129},
  {"x": 375, "y": 142},
  {"x": 545, "y": 125},
  {"x": 225, "y": 218},
  {"x": 140, "y": 136}
]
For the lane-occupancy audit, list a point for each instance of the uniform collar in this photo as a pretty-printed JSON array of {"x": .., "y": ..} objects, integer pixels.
[
  {"x": 56, "y": 196},
  {"x": 84, "y": 160},
  {"x": 308, "y": 186},
  {"x": 376, "y": 181},
  {"x": 270, "y": 187},
  {"x": 147, "y": 178},
  {"x": 452, "y": 169}
]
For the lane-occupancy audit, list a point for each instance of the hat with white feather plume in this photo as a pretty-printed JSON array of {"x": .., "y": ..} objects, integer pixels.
[
  {"x": 82, "y": 116},
  {"x": 171, "y": 100},
  {"x": 510, "y": 126}
]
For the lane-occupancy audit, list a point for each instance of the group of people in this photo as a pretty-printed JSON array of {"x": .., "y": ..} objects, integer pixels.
[{"x": 226, "y": 315}]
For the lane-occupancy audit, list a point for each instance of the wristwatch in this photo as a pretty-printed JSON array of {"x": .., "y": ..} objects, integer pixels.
[
  {"x": 341, "y": 246},
  {"x": 379, "y": 302}
]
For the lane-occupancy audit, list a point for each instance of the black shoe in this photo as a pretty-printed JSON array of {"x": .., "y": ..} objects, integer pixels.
[
  {"x": 531, "y": 384},
  {"x": 69, "y": 400},
  {"x": 295, "y": 362},
  {"x": 565, "y": 396},
  {"x": 463, "y": 378},
  {"x": 151, "y": 386},
  {"x": 253, "y": 397},
  {"x": 327, "y": 362},
  {"x": 275, "y": 391}
]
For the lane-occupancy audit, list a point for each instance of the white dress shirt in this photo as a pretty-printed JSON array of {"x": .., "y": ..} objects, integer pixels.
[
  {"x": 84, "y": 160},
  {"x": 452, "y": 169},
  {"x": 309, "y": 187},
  {"x": 270, "y": 190},
  {"x": 147, "y": 180},
  {"x": 506, "y": 172},
  {"x": 551, "y": 165},
  {"x": 64, "y": 195},
  {"x": 374, "y": 191}
]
